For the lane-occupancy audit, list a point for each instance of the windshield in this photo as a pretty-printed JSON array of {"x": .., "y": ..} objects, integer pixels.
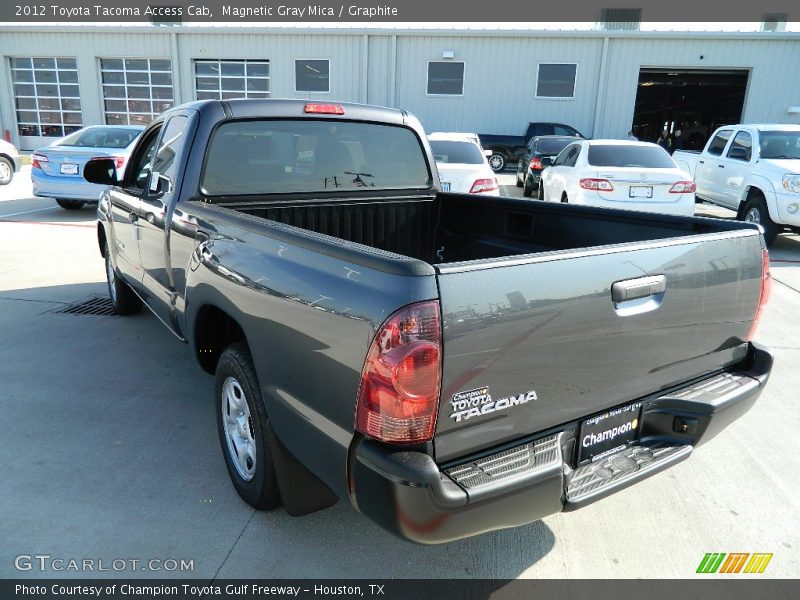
[
  {"x": 780, "y": 144},
  {"x": 554, "y": 146},
  {"x": 101, "y": 137},
  {"x": 456, "y": 152},
  {"x": 269, "y": 156},
  {"x": 618, "y": 155}
]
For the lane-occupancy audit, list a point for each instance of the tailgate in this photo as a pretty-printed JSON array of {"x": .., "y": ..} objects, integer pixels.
[{"x": 534, "y": 342}]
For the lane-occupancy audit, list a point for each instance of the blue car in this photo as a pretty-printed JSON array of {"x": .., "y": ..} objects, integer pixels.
[{"x": 57, "y": 170}]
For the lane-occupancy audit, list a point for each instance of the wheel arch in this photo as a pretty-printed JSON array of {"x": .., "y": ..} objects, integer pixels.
[
  {"x": 758, "y": 186},
  {"x": 213, "y": 330}
]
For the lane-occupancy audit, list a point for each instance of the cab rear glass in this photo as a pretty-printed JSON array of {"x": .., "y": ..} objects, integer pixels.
[{"x": 255, "y": 157}]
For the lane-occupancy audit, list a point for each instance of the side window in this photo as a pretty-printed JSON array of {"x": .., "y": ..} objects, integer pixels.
[
  {"x": 563, "y": 130},
  {"x": 572, "y": 156},
  {"x": 562, "y": 157},
  {"x": 545, "y": 129},
  {"x": 532, "y": 146},
  {"x": 741, "y": 147},
  {"x": 138, "y": 172},
  {"x": 719, "y": 142},
  {"x": 165, "y": 164}
]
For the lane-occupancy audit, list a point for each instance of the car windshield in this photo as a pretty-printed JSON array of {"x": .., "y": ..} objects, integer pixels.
[
  {"x": 553, "y": 146},
  {"x": 309, "y": 155},
  {"x": 446, "y": 151},
  {"x": 618, "y": 155},
  {"x": 780, "y": 144},
  {"x": 101, "y": 137}
]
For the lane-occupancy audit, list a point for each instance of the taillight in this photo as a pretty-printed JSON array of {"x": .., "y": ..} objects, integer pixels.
[
  {"x": 37, "y": 159},
  {"x": 766, "y": 289},
  {"x": 119, "y": 161},
  {"x": 597, "y": 185},
  {"x": 324, "y": 109},
  {"x": 398, "y": 398},
  {"x": 483, "y": 185},
  {"x": 536, "y": 163},
  {"x": 683, "y": 187}
]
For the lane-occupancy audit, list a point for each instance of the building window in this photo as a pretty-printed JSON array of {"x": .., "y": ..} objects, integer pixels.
[
  {"x": 46, "y": 96},
  {"x": 620, "y": 19},
  {"x": 556, "y": 80},
  {"x": 445, "y": 78},
  {"x": 312, "y": 75},
  {"x": 226, "y": 79},
  {"x": 135, "y": 90}
]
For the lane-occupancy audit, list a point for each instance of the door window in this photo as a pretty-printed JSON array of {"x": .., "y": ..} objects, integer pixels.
[
  {"x": 572, "y": 156},
  {"x": 719, "y": 142},
  {"x": 741, "y": 147},
  {"x": 138, "y": 172},
  {"x": 165, "y": 163}
]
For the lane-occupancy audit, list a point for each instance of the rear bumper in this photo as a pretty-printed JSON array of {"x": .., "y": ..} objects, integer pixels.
[
  {"x": 67, "y": 188},
  {"x": 408, "y": 494}
]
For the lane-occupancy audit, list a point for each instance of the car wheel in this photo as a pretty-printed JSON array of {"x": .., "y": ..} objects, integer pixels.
[
  {"x": 242, "y": 426},
  {"x": 755, "y": 211},
  {"x": 125, "y": 301},
  {"x": 497, "y": 162},
  {"x": 70, "y": 204},
  {"x": 6, "y": 171},
  {"x": 519, "y": 181},
  {"x": 564, "y": 198},
  {"x": 540, "y": 192},
  {"x": 527, "y": 189}
]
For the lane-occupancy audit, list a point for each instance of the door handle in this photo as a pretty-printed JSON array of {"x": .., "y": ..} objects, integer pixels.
[
  {"x": 641, "y": 287},
  {"x": 702, "y": 162},
  {"x": 721, "y": 166}
]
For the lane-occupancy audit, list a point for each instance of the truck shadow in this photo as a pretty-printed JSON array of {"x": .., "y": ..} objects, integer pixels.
[{"x": 127, "y": 442}]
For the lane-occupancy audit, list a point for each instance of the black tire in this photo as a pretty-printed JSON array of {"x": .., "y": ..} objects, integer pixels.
[
  {"x": 564, "y": 198},
  {"x": 519, "y": 181},
  {"x": 755, "y": 211},
  {"x": 125, "y": 301},
  {"x": 497, "y": 162},
  {"x": 527, "y": 189},
  {"x": 540, "y": 191},
  {"x": 70, "y": 204},
  {"x": 261, "y": 490},
  {"x": 6, "y": 171}
]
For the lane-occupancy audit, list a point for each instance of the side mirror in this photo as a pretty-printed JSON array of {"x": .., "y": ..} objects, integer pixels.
[
  {"x": 101, "y": 170},
  {"x": 546, "y": 161},
  {"x": 487, "y": 153},
  {"x": 738, "y": 153}
]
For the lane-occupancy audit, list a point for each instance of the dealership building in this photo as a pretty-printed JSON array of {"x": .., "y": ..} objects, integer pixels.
[{"x": 56, "y": 79}]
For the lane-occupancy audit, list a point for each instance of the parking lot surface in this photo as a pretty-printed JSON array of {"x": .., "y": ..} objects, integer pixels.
[{"x": 110, "y": 452}]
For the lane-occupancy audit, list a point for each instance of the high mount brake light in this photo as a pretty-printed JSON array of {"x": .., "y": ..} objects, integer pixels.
[
  {"x": 398, "y": 398},
  {"x": 766, "y": 290},
  {"x": 324, "y": 109}
]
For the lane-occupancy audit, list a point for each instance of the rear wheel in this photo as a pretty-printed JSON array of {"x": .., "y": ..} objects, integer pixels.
[
  {"x": 519, "y": 181},
  {"x": 242, "y": 427},
  {"x": 540, "y": 192},
  {"x": 497, "y": 162},
  {"x": 527, "y": 189},
  {"x": 6, "y": 171},
  {"x": 564, "y": 198},
  {"x": 70, "y": 204},
  {"x": 755, "y": 211},
  {"x": 125, "y": 301}
]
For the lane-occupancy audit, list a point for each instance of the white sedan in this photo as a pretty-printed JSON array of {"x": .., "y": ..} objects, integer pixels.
[
  {"x": 462, "y": 164},
  {"x": 618, "y": 174}
]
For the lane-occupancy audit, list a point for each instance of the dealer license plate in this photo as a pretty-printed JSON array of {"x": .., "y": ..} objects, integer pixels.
[
  {"x": 605, "y": 434},
  {"x": 69, "y": 169},
  {"x": 640, "y": 191},
  {"x": 445, "y": 186}
]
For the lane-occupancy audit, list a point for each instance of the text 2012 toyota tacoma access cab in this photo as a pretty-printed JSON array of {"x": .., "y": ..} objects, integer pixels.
[{"x": 449, "y": 364}]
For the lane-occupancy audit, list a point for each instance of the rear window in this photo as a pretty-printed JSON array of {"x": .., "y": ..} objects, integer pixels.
[
  {"x": 456, "y": 152},
  {"x": 643, "y": 157},
  {"x": 273, "y": 156},
  {"x": 553, "y": 146},
  {"x": 101, "y": 138}
]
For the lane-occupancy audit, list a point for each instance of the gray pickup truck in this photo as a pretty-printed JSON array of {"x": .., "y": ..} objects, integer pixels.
[{"x": 447, "y": 363}]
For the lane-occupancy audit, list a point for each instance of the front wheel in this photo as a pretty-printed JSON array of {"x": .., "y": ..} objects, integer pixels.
[
  {"x": 497, "y": 162},
  {"x": 242, "y": 427},
  {"x": 6, "y": 171},
  {"x": 125, "y": 301},
  {"x": 70, "y": 204},
  {"x": 755, "y": 211}
]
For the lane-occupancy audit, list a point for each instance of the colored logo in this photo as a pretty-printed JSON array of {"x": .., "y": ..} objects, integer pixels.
[{"x": 734, "y": 562}]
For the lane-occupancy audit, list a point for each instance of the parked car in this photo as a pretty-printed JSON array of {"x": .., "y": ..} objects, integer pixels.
[
  {"x": 507, "y": 149},
  {"x": 618, "y": 174},
  {"x": 57, "y": 170},
  {"x": 462, "y": 164},
  {"x": 752, "y": 169},
  {"x": 10, "y": 162},
  {"x": 540, "y": 152},
  {"x": 448, "y": 364}
]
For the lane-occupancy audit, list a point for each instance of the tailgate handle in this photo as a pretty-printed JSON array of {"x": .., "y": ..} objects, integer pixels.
[{"x": 641, "y": 287}]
